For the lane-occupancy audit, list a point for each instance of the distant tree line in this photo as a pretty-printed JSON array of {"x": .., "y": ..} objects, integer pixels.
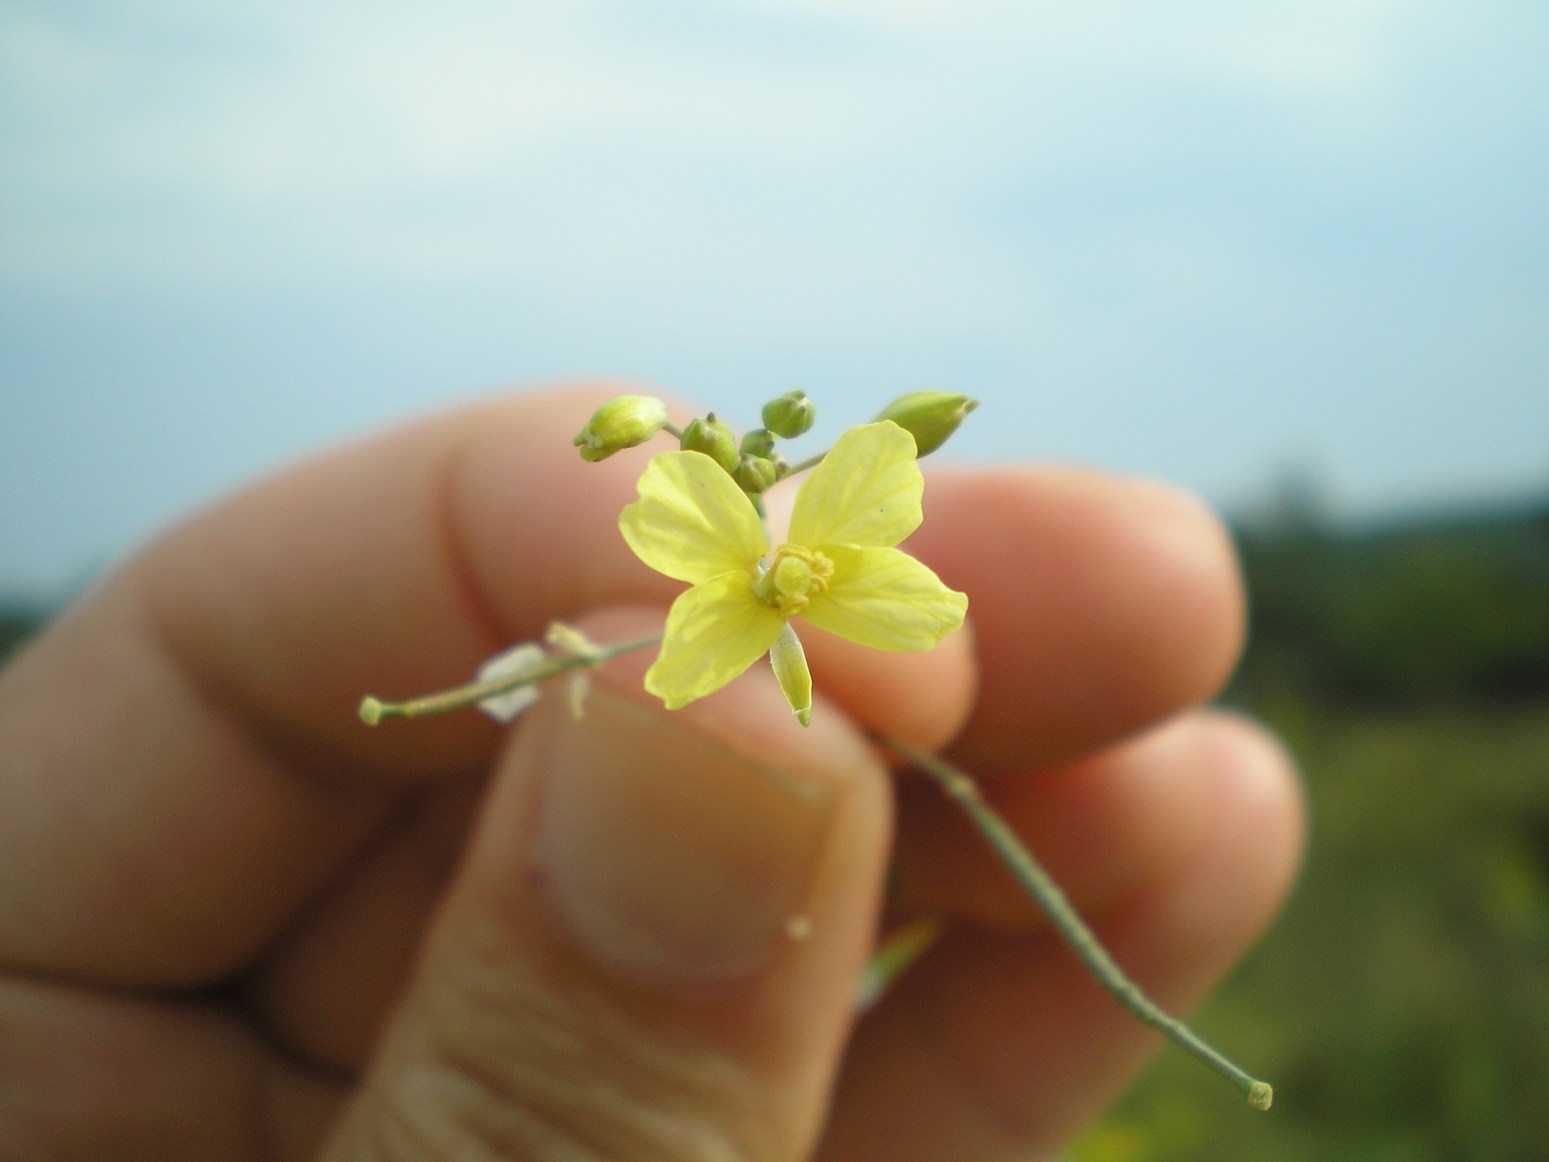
[
  {"x": 19, "y": 620},
  {"x": 1441, "y": 610}
]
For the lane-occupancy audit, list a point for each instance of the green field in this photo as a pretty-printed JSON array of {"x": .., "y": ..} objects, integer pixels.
[{"x": 1401, "y": 1003}]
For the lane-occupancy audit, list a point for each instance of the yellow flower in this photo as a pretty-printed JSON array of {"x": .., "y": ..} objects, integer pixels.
[{"x": 839, "y": 570}]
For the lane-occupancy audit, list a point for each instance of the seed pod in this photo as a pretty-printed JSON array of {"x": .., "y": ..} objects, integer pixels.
[{"x": 929, "y": 416}]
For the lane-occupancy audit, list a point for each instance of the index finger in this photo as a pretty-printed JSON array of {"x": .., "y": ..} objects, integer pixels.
[
  {"x": 183, "y": 764},
  {"x": 1100, "y": 606}
]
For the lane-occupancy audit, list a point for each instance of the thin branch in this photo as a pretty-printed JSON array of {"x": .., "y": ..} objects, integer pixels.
[
  {"x": 374, "y": 709},
  {"x": 1036, "y": 881}
]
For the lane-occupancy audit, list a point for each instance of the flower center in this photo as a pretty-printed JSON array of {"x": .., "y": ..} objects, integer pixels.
[{"x": 794, "y": 577}]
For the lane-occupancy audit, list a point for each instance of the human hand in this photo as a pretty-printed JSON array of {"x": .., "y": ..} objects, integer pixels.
[{"x": 236, "y": 924}]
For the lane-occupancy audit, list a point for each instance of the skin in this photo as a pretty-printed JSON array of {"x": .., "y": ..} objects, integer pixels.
[{"x": 235, "y": 923}]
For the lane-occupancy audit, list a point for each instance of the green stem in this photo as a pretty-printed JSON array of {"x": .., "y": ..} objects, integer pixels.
[
  {"x": 1036, "y": 881},
  {"x": 373, "y": 709},
  {"x": 896, "y": 954},
  {"x": 809, "y": 462}
]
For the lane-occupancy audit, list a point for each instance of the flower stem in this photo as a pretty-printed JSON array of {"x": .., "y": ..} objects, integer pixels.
[
  {"x": 1036, "y": 881},
  {"x": 809, "y": 462},
  {"x": 374, "y": 709}
]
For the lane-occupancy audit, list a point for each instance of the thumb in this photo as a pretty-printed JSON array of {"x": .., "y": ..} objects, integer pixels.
[{"x": 653, "y": 946}]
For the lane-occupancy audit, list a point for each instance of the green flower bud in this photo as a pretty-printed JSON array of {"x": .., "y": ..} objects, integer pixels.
[
  {"x": 714, "y": 439},
  {"x": 754, "y": 474},
  {"x": 790, "y": 415},
  {"x": 759, "y": 442},
  {"x": 620, "y": 423},
  {"x": 929, "y": 416}
]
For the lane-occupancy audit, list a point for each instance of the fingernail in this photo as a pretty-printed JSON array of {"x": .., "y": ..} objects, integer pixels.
[{"x": 666, "y": 854}]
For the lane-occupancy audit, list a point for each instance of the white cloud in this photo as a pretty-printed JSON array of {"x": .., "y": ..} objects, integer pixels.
[
  {"x": 349, "y": 92},
  {"x": 215, "y": 215}
]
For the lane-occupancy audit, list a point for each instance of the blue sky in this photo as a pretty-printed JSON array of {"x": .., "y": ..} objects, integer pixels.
[{"x": 1215, "y": 242}]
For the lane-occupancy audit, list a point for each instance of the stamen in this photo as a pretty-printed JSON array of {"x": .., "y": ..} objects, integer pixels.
[{"x": 793, "y": 578}]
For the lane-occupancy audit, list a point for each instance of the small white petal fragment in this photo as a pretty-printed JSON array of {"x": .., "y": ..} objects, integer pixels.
[{"x": 515, "y": 662}]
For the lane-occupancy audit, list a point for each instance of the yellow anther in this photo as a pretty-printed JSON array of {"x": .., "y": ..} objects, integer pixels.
[{"x": 795, "y": 576}]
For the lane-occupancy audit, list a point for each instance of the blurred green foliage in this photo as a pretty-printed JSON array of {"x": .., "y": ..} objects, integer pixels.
[
  {"x": 1401, "y": 1002},
  {"x": 1436, "y": 613},
  {"x": 19, "y": 619}
]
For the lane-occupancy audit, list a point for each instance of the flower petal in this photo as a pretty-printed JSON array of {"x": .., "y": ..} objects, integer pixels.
[
  {"x": 885, "y": 599},
  {"x": 521, "y": 659},
  {"x": 865, "y": 492},
  {"x": 714, "y": 632},
  {"x": 691, "y": 522}
]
